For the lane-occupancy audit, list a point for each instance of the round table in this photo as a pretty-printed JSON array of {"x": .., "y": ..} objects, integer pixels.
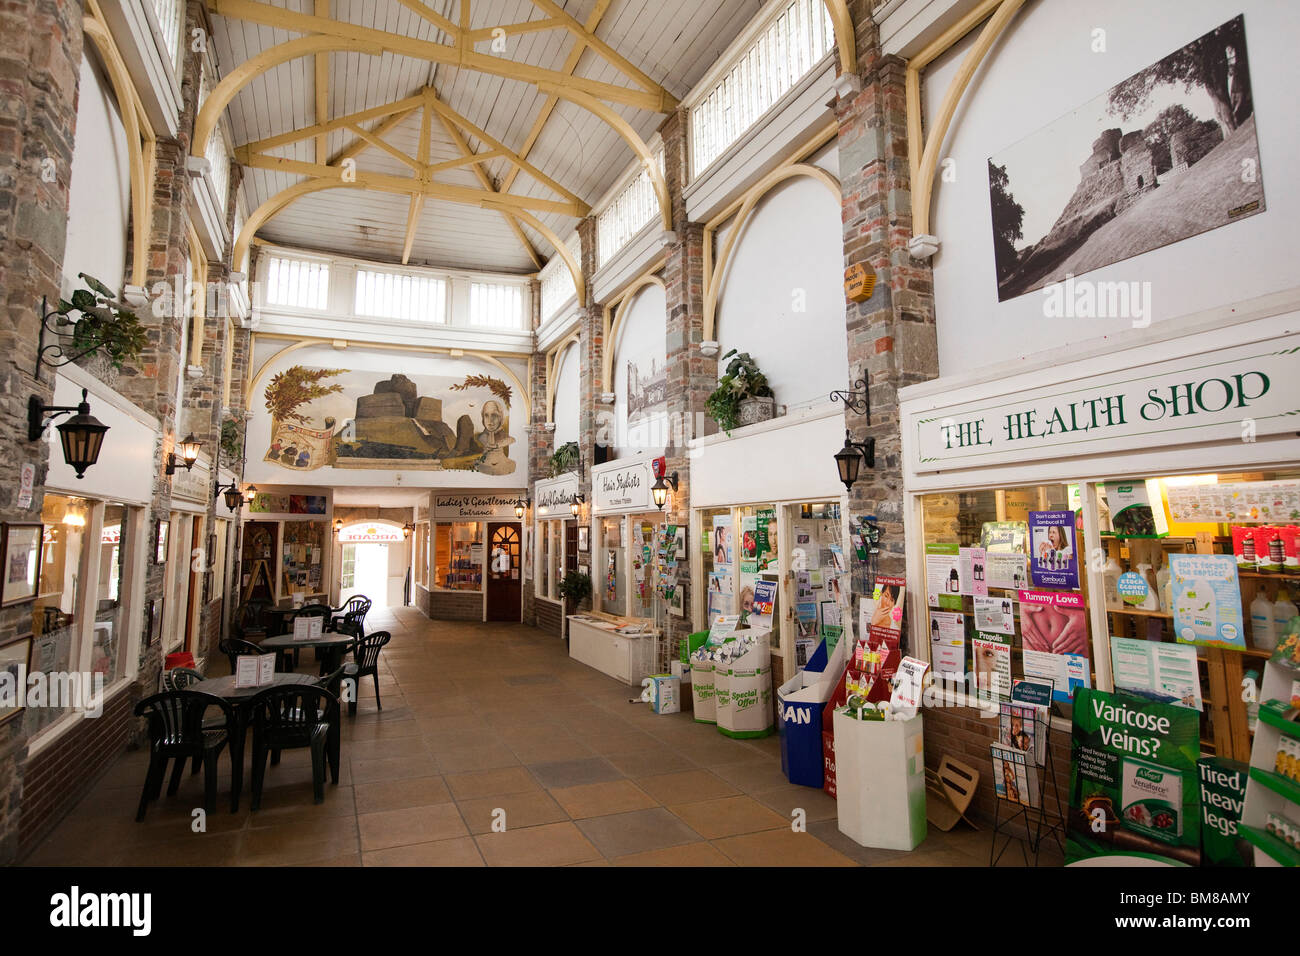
[
  {"x": 331, "y": 643},
  {"x": 239, "y": 698}
]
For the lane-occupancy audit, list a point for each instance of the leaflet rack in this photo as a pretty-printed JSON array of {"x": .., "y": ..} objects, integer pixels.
[{"x": 1038, "y": 821}]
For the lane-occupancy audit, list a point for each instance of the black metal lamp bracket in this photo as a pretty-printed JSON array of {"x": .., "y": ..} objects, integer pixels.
[{"x": 858, "y": 398}]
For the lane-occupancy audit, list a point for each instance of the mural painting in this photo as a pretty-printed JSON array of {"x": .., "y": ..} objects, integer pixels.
[{"x": 329, "y": 417}]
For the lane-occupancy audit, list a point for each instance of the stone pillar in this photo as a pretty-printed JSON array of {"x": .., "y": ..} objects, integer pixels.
[
  {"x": 891, "y": 336},
  {"x": 691, "y": 376},
  {"x": 595, "y": 420},
  {"x": 40, "y": 57},
  {"x": 539, "y": 450}
]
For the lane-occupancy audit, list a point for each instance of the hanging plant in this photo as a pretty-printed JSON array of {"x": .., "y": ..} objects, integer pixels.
[
  {"x": 232, "y": 436},
  {"x": 564, "y": 459},
  {"x": 499, "y": 388},
  {"x": 295, "y": 387},
  {"x": 741, "y": 381},
  {"x": 101, "y": 323}
]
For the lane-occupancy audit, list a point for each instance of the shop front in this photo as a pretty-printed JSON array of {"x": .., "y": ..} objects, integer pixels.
[
  {"x": 767, "y": 541},
  {"x": 287, "y": 555},
  {"x": 618, "y": 636},
  {"x": 1119, "y": 504},
  {"x": 555, "y": 534},
  {"x": 478, "y": 551}
]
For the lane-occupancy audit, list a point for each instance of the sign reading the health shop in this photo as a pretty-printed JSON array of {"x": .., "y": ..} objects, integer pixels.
[
  {"x": 475, "y": 506},
  {"x": 1197, "y": 398},
  {"x": 552, "y": 498},
  {"x": 622, "y": 488}
]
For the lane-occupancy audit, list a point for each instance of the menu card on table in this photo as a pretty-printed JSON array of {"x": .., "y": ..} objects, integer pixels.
[
  {"x": 308, "y": 628},
  {"x": 254, "y": 670}
]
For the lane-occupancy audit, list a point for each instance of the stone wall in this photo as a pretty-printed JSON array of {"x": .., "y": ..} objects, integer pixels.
[{"x": 40, "y": 58}]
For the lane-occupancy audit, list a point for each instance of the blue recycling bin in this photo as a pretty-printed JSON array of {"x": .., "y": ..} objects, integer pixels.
[{"x": 801, "y": 723}]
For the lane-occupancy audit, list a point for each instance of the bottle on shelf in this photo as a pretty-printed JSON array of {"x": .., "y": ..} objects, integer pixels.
[
  {"x": 1263, "y": 628},
  {"x": 1152, "y": 601},
  {"x": 1165, "y": 586},
  {"x": 1110, "y": 579},
  {"x": 1283, "y": 610}
]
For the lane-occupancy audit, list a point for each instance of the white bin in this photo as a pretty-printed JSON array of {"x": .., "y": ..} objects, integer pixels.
[{"x": 880, "y": 781}]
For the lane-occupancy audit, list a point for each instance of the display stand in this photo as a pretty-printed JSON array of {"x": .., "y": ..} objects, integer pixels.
[
  {"x": 1267, "y": 791},
  {"x": 880, "y": 781},
  {"x": 1039, "y": 824}
]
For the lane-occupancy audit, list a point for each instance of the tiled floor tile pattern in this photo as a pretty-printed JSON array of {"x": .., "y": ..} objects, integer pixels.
[{"x": 494, "y": 748}]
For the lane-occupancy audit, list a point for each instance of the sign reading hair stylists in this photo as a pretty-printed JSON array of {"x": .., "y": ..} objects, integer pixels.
[
  {"x": 622, "y": 487},
  {"x": 1204, "y": 397},
  {"x": 471, "y": 507}
]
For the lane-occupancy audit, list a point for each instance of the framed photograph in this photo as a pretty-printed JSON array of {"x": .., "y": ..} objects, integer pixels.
[
  {"x": 153, "y": 621},
  {"x": 15, "y": 659},
  {"x": 161, "y": 527},
  {"x": 21, "y": 546},
  {"x": 584, "y": 538},
  {"x": 675, "y": 601}
]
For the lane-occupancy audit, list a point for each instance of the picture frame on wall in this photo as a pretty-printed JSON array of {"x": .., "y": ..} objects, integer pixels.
[
  {"x": 584, "y": 539},
  {"x": 15, "y": 661},
  {"x": 149, "y": 614},
  {"x": 20, "y": 545},
  {"x": 161, "y": 528}
]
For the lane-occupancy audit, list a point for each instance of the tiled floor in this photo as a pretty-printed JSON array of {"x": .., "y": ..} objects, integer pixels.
[{"x": 485, "y": 726}]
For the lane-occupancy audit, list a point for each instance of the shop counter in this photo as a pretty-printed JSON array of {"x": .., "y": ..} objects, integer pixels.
[{"x": 606, "y": 643}]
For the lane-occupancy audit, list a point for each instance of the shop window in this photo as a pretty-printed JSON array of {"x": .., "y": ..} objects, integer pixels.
[
  {"x": 459, "y": 556},
  {"x": 1153, "y": 595},
  {"x": 217, "y": 564},
  {"x": 422, "y": 553},
  {"x": 815, "y": 566},
  {"x": 107, "y": 636},
  {"x": 642, "y": 563},
  {"x": 546, "y": 539},
  {"x": 54, "y": 614},
  {"x": 717, "y": 539},
  {"x": 611, "y": 563},
  {"x": 1003, "y": 617}
]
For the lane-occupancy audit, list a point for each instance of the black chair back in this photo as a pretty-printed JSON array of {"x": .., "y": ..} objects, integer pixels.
[
  {"x": 250, "y": 618},
  {"x": 176, "y": 720},
  {"x": 290, "y": 715},
  {"x": 180, "y": 678},
  {"x": 365, "y": 652},
  {"x": 234, "y": 648},
  {"x": 312, "y": 610}
]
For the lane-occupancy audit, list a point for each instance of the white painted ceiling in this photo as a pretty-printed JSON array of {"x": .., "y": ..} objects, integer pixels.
[{"x": 673, "y": 41}]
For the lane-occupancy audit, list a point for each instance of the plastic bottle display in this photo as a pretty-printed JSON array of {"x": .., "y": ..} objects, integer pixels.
[
  {"x": 1165, "y": 587},
  {"x": 1110, "y": 577},
  {"x": 1283, "y": 610},
  {"x": 1152, "y": 600},
  {"x": 1263, "y": 628}
]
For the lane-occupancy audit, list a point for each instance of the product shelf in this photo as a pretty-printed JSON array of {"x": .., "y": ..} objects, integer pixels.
[
  {"x": 1268, "y": 576},
  {"x": 1271, "y": 712},
  {"x": 1277, "y": 783},
  {"x": 1277, "y": 849},
  {"x": 1139, "y": 612}
]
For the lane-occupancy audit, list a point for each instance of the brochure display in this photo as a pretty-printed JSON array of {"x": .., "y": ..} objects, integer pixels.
[
  {"x": 1024, "y": 775},
  {"x": 880, "y": 781}
]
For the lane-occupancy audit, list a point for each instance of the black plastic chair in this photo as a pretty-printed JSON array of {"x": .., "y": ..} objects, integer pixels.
[
  {"x": 365, "y": 655},
  {"x": 177, "y": 732},
  {"x": 250, "y": 619},
  {"x": 353, "y": 610},
  {"x": 334, "y": 682},
  {"x": 180, "y": 678},
  {"x": 291, "y": 716},
  {"x": 234, "y": 648}
]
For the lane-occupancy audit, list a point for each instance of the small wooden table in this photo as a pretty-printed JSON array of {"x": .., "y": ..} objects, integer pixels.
[
  {"x": 239, "y": 698},
  {"x": 331, "y": 642}
]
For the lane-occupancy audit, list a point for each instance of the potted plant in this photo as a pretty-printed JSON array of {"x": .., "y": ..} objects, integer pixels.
[
  {"x": 743, "y": 395},
  {"x": 100, "y": 323},
  {"x": 564, "y": 459},
  {"x": 232, "y": 436},
  {"x": 574, "y": 587}
]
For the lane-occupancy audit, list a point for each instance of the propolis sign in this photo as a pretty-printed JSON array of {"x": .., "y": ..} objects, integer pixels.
[{"x": 1236, "y": 393}]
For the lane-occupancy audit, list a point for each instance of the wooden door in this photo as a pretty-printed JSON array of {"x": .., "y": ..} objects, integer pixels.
[{"x": 504, "y": 574}]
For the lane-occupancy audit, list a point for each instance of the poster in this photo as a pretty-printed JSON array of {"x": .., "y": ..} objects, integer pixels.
[
  {"x": 1054, "y": 621},
  {"x": 1238, "y": 502},
  {"x": 1005, "y": 570},
  {"x": 948, "y": 644},
  {"x": 1223, "y": 798},
  {"x": 723, "y": 547},
  {"x": 749, "y": 538},
  {"x": 1067, "y": 672},
  {"x": 992, "y": 665},
  {"x": 1133, "y": 779},
  {"x": 1053, "y": 552},
  {"x": 1207, "y": 600},
  {"x": 973, "y": 568},
  {"x": 887, "y": 610},
  {"x": 943, "y": 582},
  {"x": 764, "y": 603},
  {"x": 996, "y": 615},
  {"x": 1156, "y": 671}
]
